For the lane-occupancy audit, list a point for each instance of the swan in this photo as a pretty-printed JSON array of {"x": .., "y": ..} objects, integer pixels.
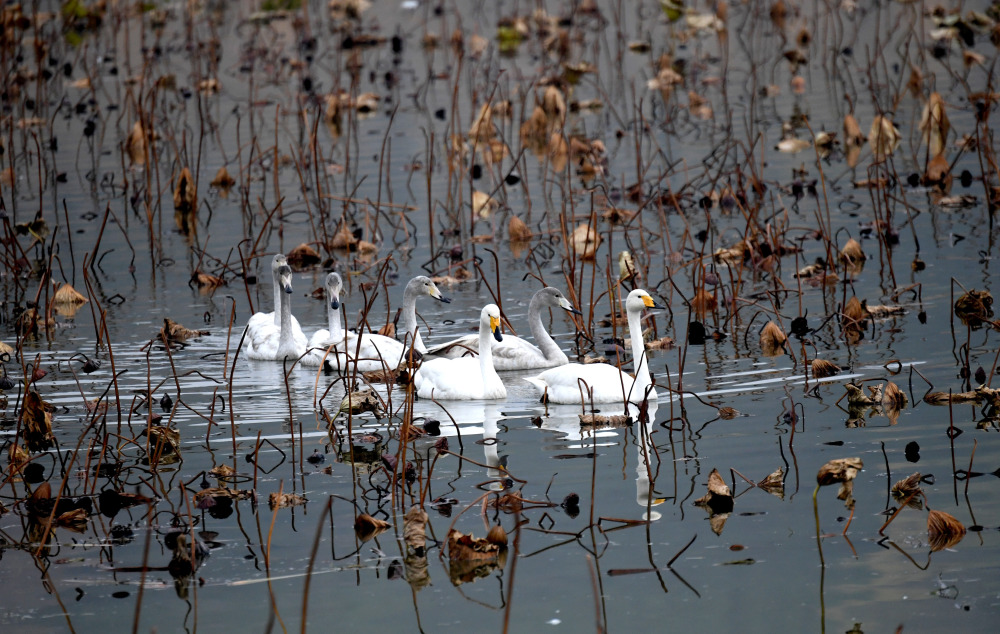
[
  {"x": 514, "y": 353},
  {"x": 258, "y": 319},
  {"x": 572, "y": 383},
  {"x": 372, "y": 351},
  {"x": 333, "y": 336},
  {"x": 268, "y": 342},
  {"x": 467, "y": 377}
]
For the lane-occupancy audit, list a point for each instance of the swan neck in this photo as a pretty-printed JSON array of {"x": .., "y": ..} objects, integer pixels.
[
  {"x": 485, "y": 348},
  {"x": 408, "y": 317},
  {"x": 638, "y": 350},
  {"x": 333, "y": 321},
  {"x": 285, "y": 325},
  {"x": 277, "y": 297},
  {"x": 550, "y": 349}
]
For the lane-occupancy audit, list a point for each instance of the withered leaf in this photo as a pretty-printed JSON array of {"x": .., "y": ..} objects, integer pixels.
[
  {"x": 66, "y": 294},
  {"x": 517, "y": 230},
  {"x": 173, "y": 332},
  {"x": 585, "y": 241},
  {"x": 303, "y": 257},
  {"x": 728, "y": 413},
  {"x": 367, "y": 527},
  {"x": 37, "y": 421},
  {"x": 206, "y": 280},
  {"x": 772, "y": 339},
  {"x": 135, "y": 144},
  {"x": 462, "y": 547},
  {"x": 774, "y": 483},
  {"x": 821, "y": 368},
  {"x": 185, "y": 196},
  {"x": 943, "y": 530},
  {"x": 908, "y": 490},
  {"x": 278, "y": 500},
  {"x": 839, "y": 470},
  {"x": 601, "y": 420},
  {"x": 719, "y": 498},
  {"x": 223, "y": 181},
  {"x": 415, "y": 529}
]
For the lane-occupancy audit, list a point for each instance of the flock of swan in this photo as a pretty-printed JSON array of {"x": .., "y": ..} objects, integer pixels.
[{"x": 461, "y": 369}]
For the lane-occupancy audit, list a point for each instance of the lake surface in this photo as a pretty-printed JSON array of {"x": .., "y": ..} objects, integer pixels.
[{"x": 677, "y": 167}]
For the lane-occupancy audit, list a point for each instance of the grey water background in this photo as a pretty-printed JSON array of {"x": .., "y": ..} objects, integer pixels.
[{"x": 771, "y": 581}]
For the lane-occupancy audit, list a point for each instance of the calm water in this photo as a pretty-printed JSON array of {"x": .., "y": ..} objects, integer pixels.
[{"x": 389, "y": 174}]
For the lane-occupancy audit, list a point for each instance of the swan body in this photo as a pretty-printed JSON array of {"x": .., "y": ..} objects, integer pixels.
[
  {"x": 259, "y": 319},
  {"x": 467, "y": 377},
  {"x": 268, "y": 342},
  {"x": 515, "y": 353},
  {"x": 370, "y": 351},
  {"x": 603, "y": 382}
]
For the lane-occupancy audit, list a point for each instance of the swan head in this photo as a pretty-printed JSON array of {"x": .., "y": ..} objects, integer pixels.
[
  {"x": 334, "y": 284},
  {"x": 638, "y": 300},
  {"x": 284, "y": 273},
  {"x": 553, "y": 297},
  {"x": 423, "y": 285},
  {"x": 277, "y": 262},
  {"x": 490, "y": 317}
]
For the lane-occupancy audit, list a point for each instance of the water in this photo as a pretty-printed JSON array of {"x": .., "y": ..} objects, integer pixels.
[{"x": 603, "y": 565}]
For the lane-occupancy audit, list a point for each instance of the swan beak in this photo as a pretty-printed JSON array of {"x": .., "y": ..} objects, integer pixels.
[
  {"x": 648, "y": 301},
  {"x": 436, "y": 294},
  {"x": 335, "y": 303},
  {"x": 285, "y": 278},
  {"x": 495, "y": 327},
  {"x": 565, "y": 305}
]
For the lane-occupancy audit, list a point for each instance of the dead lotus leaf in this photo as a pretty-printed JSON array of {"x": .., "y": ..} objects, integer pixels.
[
  {"x": 483, "y": 205},
  {"x": 704, "y": 302},
  {"x": 585, "y": 241},
  {"x": 366, "y": 527},
  {"x": 663, "y": 343},
  {"x": 207, "y": 280},
  {"x": 943, "y": 398},
  {"x": 218, "y": 493},
  {"x": 415, "y": 529},
  {"x": 856, "y": 397},
  {"x": 893, "y": 396},
  {"x": 839, "y": 470},
  {"x": 938, "y": 172},
  {"x": 497, "y": 535},
  {"x": 278, "y": 500},
  {"x": 821, "y": 368},
  {"x": 303, "y": 257},
  {"x": 728, "y": 413},
  {"x": 772, "y": 339},
  {"x": 884, "y": 137},
  {"x": 462, "y": 547},
  {"x": 173, "y": 332},
  {"x": 934, "y": 124},
  {"x": 881, "y": 311},
  {"x": 626, "y": 266},
  {"x": 223, "y": 181},
  {"x": 6, "y": 351},
  {"x": 717, "y": 522},
  {"x": 343, "y": 239},
  {"x": 852, "y": 252},
  {"x": 75, "y": 520},
  {"x": 163, "y": 441},
  {"x": 135, "y": 144},
  {"x": 974, "y": 307},
  {"x": 367, "y": 248},
  {"x": 185, "y": 196},
  {"x": 908, "y": 490},
  {"x": 774, "y": 483},
  {"x": 852, "y": 132},
  {"x": 360, "y": 401},
  {"x": 222, "y": 471},
  {"x": 517, "y": 230},
  {"x": 719, "y": 498},
  {"x": 66, "y": 294},
  {"x": 37, "y": 419},
  {"x": 600, "y": 420},
  {"x": 854, "y": 314},
  {"x": 943, "y": 530}
]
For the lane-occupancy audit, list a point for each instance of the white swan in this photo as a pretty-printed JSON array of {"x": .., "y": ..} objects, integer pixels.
[
  {"x": 268, "y": 342},
  {"x": 333, "y": 336},
  {"x": 603, "y": 382},
  {"x": 468, "y": 377},
  {"x": 514, "y": 353},
  {"x": 258, "y": 319},
  {"x": 373, "y": 351}
]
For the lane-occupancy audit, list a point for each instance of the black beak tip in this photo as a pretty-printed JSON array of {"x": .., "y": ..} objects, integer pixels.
[
  {"x": 574, "y": 311},
  {"x": 446, "y": 300},
  {"x": 335, "y": 304},
  {"x": 497, "y": 335},
  {"x": 288, "y": 289}
]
